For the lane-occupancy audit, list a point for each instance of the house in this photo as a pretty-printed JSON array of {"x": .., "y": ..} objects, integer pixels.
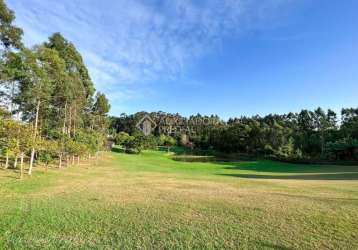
[{"x": 146, "y": 125}]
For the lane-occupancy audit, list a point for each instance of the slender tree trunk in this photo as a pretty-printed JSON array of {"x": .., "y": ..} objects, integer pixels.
[
  {"x": 73, "y": 159},
  {"x": 63, "y": 134},
  {"x": 22, "y": 166},
  {"x": 74, "y": 121},
  {"x": 16, "y": 156},
  {"x": 7, "y": 161},
  {"x": 12, "y": 97},
  {"x": 64, "y": 120},
  {"x": 32, "y": 156},
  {"x": 34, "y": 138},
  {"x": 78, "y": 160},
  {"x": 69, "y": 122}
]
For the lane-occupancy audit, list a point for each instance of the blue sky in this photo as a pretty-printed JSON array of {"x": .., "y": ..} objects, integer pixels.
[{"x": 227, "y": 57}]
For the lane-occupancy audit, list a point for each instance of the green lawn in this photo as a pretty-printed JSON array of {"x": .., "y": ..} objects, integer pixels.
[{"x": 150, "y": 201}]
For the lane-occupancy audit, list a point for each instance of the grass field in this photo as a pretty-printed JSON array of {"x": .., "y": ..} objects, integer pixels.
[{"x": 150, "y": 201}]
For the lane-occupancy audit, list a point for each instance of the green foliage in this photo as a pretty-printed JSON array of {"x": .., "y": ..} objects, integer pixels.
[
  {"x": 48, "y": 150},
  {"x": 304, "y": 135},
  {"x": 101, "y": 106},
  {"x": 137, "y": 142},
  {"x": 89, "y": 141},
  {"x": 150, "y": 142},
  {"x": 10, "y": 35},
  {"x": 15, "y": 137},
  {"x": 75, "y": 66},
  {"x": 121, "y": 137},
  {"x": 166, "y": 140},
  {"x": 3, "y": 114},
  {"x": 35, "y": 83},
  {"x": 343, "y": 149},
  {"x": 134, "y": 144},
  {"x": 49, "y": 88}
]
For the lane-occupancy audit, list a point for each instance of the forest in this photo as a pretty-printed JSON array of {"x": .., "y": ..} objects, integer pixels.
[
  {"x": 317, "y": 135},
  {"x": 49, "y": 108}
]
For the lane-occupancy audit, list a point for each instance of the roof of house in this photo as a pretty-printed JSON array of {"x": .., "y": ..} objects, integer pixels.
[{"x": 146, "y": 117}]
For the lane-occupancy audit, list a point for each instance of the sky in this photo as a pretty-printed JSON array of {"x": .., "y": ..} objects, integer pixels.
[{"x": 225, "y": 57}]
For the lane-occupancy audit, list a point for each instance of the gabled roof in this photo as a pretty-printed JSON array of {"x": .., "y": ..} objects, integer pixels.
[{"x": 146, "y": 117}]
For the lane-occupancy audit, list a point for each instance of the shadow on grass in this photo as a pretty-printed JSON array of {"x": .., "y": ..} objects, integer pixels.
[
  {"x": 117, "y": 150},
  {"x": 317, "y": 176},
  {"x": 267, "y": 169},
  {"x": 281, "y": 171},
  {"x": 290, "y": 168},
  {"x": 335, "y": 199},
  {"x": 10, "y": 177},
  {"x": 4, "y": 173}
]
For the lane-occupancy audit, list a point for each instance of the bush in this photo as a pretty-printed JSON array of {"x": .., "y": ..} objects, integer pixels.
[
  {"x": 167, "y": 141},
  {"x": 121, "y": 137},
  {"x": 133, "y": 145},
  {"x": 47, "y": 151},
  {"x": 136, "y": 142},
  {"x": 150, "y": 142}
]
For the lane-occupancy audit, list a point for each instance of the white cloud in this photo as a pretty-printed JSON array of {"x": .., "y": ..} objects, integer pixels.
[{"x": 127, "y": 43}]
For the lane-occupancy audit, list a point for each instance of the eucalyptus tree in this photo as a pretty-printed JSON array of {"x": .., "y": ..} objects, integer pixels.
[
  {"x": 75, "y": 95},
  {"x": 7, "y": 141},
  {"x": 10, "y": 41},
  {"x": 25, "y": 144},
  {"x": 350, "y": 122},
  {"x": 53, "y": 93},
  {"x": 100, "y": 110},
  {"x": 55, "y": 70},
  {"x": 10, "y": 35},
  {"x": 324, "y": 123},
  {"x": 15, "y": 140},
  {"x": 35, "y": 90},
  {"x": 17, "y": 136}
]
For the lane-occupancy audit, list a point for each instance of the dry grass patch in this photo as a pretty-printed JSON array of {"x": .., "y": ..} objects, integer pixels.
[{"x": 150, "y": 201}]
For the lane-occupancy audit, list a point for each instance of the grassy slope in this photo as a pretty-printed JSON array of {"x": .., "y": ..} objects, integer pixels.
[{"x": 151, "y": 201}]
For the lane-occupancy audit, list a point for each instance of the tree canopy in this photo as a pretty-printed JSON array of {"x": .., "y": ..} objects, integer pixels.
[
  {"x": 307, "y": 135},
  {"x": 52, "y": 111}
]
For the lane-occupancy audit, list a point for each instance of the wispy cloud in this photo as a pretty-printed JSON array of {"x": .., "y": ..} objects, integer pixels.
[{"x": 128, "y": 43}]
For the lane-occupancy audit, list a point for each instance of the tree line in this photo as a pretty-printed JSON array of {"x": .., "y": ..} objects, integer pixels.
[
  {"x": 49, "y": 109},
  {"x": 307, "y": 135}
]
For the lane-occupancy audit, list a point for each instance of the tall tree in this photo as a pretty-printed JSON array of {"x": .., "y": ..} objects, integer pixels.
[
  {"x": 100, "y": 110},
  {"x": 10, "y": 35},
  {"x": 10, "y": 39},
  {"x": 35, "y": 90},
  {"x": 76, "y": 94}
]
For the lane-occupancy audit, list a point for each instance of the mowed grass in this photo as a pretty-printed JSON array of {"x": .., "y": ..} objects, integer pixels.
[{"x": 150, "y": 201}]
